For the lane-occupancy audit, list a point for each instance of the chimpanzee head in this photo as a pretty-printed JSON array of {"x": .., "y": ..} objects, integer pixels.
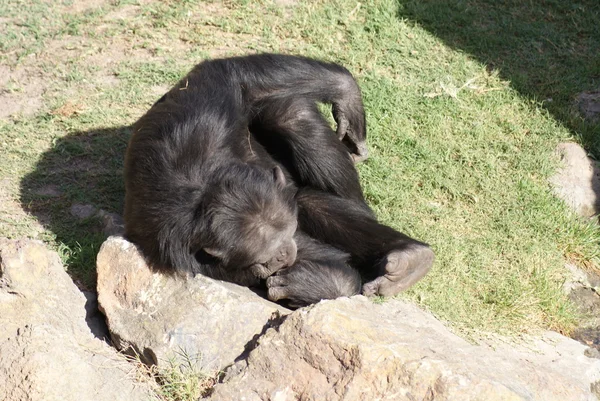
[{"x": 250, "y": 219}]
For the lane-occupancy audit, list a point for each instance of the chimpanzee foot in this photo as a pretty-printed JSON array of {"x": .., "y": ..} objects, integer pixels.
[
  {"x": 307, "y": 282},
  {"x": 401, "y": 269},
  {"x": 362, "y": 153}
]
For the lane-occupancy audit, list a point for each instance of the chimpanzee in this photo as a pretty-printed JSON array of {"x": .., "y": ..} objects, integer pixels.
[{"x": 235, "y": 174}]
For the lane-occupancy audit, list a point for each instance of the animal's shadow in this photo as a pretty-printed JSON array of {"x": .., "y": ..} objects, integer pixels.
[
  {"x": 547, "y": 50},
  {"x": 80, "y": 175},
  {"x": 84, "y": 168}
]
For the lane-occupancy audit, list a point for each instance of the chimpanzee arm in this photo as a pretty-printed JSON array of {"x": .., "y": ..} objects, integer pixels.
[
  {"x": 277, "y": 77},
  {"x": 320, "y": 272},
  {"x": 293, "y": 131}
]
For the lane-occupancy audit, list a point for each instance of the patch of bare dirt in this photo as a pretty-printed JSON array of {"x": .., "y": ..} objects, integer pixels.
[
  {"x": 213, "y": 9},
  {"x": 22, "y": 88},
  {"x": 21, "y": 91},
  {"x": 81, "y": 6},
  {"x": 12, "y": 214},
  {"x": 160, "y": 90},
  {"x": 123, "y": 13},
  {"x": 64, "y": 48},
  {"x": 108, "y": 80},
  {"x": 107, "y": 55}
]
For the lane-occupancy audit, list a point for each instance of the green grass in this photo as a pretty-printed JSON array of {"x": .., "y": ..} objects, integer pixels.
[
  {"x": 548, "y": 49},
  {"x": 182, "y": 380},
  {"x": 177, "y": 379},
  {"x": 465, "y": 101}
]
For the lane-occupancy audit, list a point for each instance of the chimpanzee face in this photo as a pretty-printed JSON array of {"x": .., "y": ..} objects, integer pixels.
[{"x": 252, "y": 221}]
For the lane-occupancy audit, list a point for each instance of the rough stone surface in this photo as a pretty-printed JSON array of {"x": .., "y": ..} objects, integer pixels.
[
  {"x": 51, "y": 191},
  {"x": 112, "y": 223},
  {"x": 589, "y": 105},
  {"x": 82, "y": 211},
  {"x": 352, "y": 349},
  {"x": 162, "y": 316},
  {"x": 583, "y": 288},
  {"x": 578, "y": 182},
  {"x": 579, "y": 278},
  {"x": 47, "y": 351}
]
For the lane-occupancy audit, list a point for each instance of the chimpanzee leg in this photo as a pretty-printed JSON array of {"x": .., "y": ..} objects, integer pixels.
[
  {"x": 388, "y": 260},
  {"x": 320, "y": 272},
  {"x": 295, "y": 133}
]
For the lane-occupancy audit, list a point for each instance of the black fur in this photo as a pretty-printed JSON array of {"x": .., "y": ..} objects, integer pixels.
[{"x": 223, "y": 168}]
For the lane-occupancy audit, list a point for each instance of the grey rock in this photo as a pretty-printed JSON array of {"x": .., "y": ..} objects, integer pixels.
[
  {"x": 112, "y": 223},
  {"x": 589, "y": 336},
  {"x": 592, "y": 353},
  {"x": 587, "y": 301},
  {"x": 82, "y": 211},
  {"x": 596, "y": 389},
  {"x": 51, "y": 191},
  {"x": 578, "y": 279},
  {"x": 353, "y": 349},
  {"x": 162, "y": 316},
  {"x": 589, "y": 105},
  {"x": 47, "y": 351},
  {"x": 578, "y": 181},
  {"x": 583, "y": 288}
]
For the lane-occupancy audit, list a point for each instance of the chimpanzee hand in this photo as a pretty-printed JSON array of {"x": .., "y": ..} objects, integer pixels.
[
  {"x": 351, "y": 134},
  {"x": 263, "y": 270}
]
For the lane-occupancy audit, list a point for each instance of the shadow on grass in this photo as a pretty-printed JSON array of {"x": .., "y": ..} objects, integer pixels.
[
  {"x": 548, "y": 49},
  {"x": 84, "y": 168}
]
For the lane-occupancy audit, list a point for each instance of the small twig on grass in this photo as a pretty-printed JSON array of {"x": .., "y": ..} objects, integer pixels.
[
  {"x": 354, "y": 10},
  {"x": 453, "y": 91}
]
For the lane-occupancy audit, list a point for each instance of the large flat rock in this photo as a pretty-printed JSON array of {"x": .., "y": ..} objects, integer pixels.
[
  {"x": 353, "y": 349},
  {"x": 47, "y": 351},
  {"x": 163, "y": 317}
]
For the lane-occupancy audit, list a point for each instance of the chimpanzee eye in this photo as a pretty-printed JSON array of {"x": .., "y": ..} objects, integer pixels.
[{"x": 204, "y": 258}]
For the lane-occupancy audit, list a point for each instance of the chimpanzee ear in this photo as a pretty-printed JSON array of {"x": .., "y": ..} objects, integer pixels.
[{"x": 279, "y": 177}]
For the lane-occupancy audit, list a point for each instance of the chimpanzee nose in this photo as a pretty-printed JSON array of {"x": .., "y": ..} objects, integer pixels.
[{"x": 287, "y": 254}]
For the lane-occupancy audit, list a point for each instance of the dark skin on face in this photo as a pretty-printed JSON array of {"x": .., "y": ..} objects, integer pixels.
[{"x": 236, "y": 175}]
